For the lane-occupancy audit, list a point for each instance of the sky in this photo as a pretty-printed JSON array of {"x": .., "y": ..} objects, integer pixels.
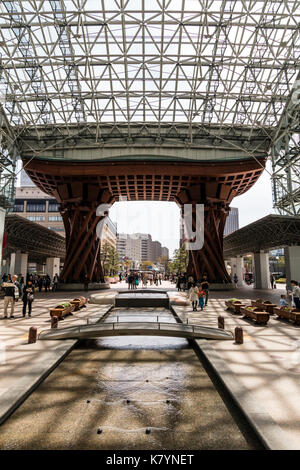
[{"x": 161, "y": 219}]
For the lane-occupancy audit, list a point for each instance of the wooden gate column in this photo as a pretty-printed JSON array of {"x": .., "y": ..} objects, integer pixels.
[
  {"x": 209, "y": 259},
  {"x": 78, "y": 205}
]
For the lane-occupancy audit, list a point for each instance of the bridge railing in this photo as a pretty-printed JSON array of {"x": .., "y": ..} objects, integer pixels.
[{"x": 84, "y": 330}]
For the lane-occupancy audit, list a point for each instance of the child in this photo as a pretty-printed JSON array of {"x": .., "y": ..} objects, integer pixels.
[
  {"x": 283, "y": 302},
  {"x": 201, "y": 296}
]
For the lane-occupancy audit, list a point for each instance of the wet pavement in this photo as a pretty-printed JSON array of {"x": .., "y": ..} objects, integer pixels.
[{"x": 126, "y": 393}]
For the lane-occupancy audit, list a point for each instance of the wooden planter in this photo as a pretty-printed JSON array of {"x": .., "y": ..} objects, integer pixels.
[
  {"x": 235, "y": 306},
  {"x": 264, "y": 305},
  {"x": 260, "y": 317},
  {"x": 291, "y": 314},
  {"x": 60, "y": 311},
  {"x": 78, "y": 302}
]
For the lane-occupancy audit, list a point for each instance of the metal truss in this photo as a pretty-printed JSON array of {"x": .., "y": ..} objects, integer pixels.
[
  {"x": 268, "y": 233},
  {"x": 130, "y": 63},
  {"x": 285, "y": 154},
  {"x": 8, "y": 162},
  {"x": 225, "y": 62}
]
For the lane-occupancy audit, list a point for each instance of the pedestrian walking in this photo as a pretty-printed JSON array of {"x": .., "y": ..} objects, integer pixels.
[
  {"x": 205, "y": 286},
  {"x": 11, "y": 295},
  {"x": 201, "y": 296},
  {"x": 27, "y": 298},
  {"x": 235, "y": 279},
  {"x": 193, "y": 296}
]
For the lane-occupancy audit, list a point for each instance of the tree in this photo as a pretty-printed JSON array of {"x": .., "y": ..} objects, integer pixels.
[
  {"x": 180, "y": 260},
  {"x": 110, "y": 259}
]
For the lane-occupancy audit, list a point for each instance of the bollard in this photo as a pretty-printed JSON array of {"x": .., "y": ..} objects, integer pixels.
[
  {"x": 238, "y": 335},
  {"x": 32, "y": 335},
  {"x": 54, "y": 322},
  {"x": 221, "y": 322}
]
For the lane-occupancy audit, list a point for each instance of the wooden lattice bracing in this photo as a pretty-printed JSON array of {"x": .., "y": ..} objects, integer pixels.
[{"x": 81, "y": 187}]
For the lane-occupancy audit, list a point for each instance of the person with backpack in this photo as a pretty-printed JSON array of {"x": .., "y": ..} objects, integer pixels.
[
  {"x": 27, "y": 298},
  {"x": 11, "y": 295}
]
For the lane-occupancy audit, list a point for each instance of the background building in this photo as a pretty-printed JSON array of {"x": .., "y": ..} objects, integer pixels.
[
  {"x": 232, "y": 221},
  {"x": 36, "y": 206},
  {"x": 140, "y": 247}
]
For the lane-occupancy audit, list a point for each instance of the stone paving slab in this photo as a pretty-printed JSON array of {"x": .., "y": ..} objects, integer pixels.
[
  {"x": 23, "y": 366},
  {"x": 263, "y": 374}
]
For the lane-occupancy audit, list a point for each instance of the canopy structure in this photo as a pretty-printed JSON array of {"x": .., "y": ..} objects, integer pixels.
[
  {"x": 28, "y": 237},
  {"x": 209, "y": 83},
  {"x": 271, "y": 232}
]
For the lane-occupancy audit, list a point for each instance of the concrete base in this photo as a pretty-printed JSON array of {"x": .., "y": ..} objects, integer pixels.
[
  {"x": 79, "y": 286},
  {"x": 142, "y": 299}
]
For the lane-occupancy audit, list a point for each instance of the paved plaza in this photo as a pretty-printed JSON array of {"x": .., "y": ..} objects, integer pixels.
[{"x": 267, "y": 364}]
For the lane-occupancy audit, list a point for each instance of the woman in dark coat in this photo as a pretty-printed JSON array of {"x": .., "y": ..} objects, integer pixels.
[{"x": 27, "y": 298}]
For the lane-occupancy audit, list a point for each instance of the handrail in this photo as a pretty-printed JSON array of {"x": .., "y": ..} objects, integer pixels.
[{"x": 118, "y": 326}]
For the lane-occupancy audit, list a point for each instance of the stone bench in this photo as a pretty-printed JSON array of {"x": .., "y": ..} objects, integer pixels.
[
  {"x": 254, "y": 313},
  {"x": 288, "y": 314}
]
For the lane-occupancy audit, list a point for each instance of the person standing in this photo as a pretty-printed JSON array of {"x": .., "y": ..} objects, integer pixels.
[
  {"x": 11, "y": 295},
  {"x": 193, "y": 295},
  {"x": 205, "y": 286},
  {"x": 27, "y": 298},
  {"x": 47, "y": 283},
  {"x": 235, "y": 279},
  {"x": 272, "y": 280},
  {"x": 296, "y": 294},
  {"x": 86, "y": 282},
  {"x": 55, "y": 282}
]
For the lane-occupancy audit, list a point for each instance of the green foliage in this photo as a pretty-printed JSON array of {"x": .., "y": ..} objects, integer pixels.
[
  {"x": 110, "y": 260},
  {"x": 180, "y": 260}
]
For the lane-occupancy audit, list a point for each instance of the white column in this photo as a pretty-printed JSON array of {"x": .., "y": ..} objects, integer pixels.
[
  {"x": 2, "y": 223},
  {"x": 292, "y": 263},
  {"x": 18, "y": 263},
  {"x": 237, "y": 267},
  {"x": 261, "y": 270},
  {"x": 52, "y": 266}
]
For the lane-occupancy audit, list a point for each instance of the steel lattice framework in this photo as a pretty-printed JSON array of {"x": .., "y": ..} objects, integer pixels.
[{"x": 102, "y": 65}]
